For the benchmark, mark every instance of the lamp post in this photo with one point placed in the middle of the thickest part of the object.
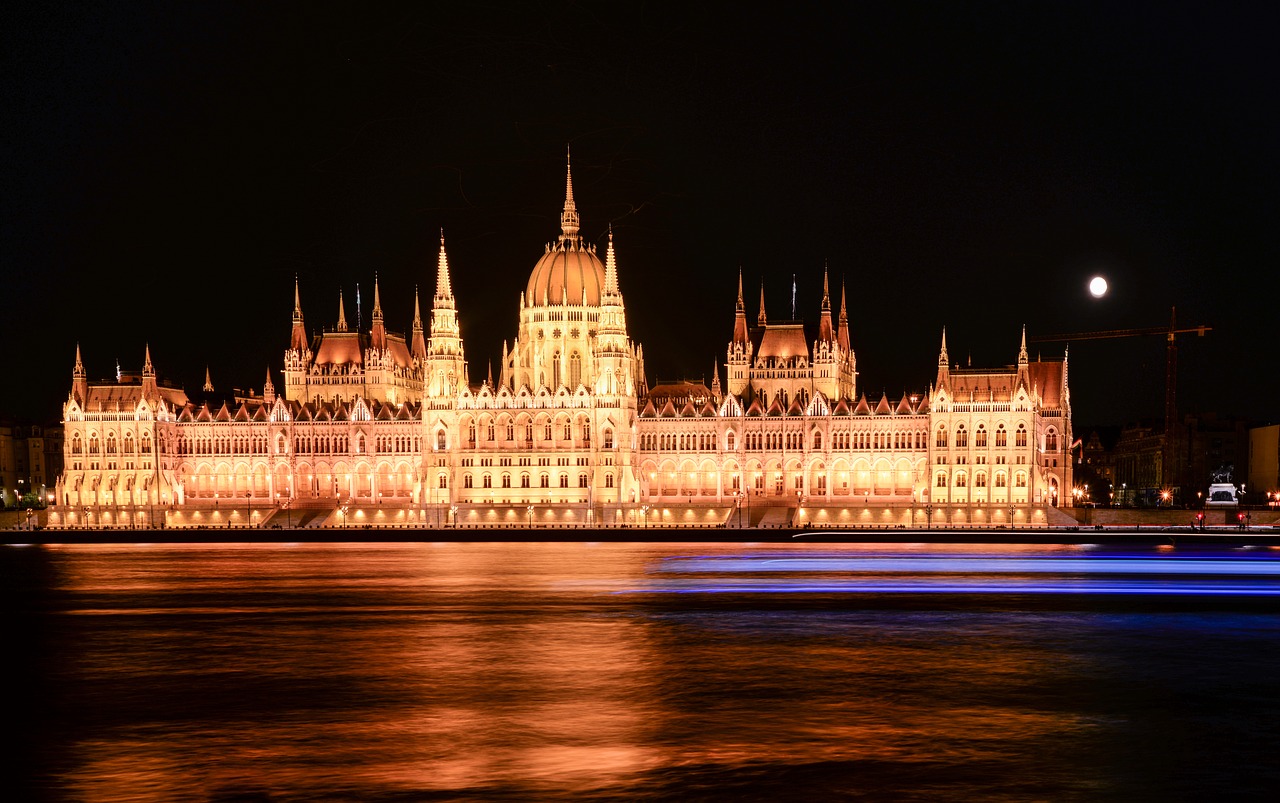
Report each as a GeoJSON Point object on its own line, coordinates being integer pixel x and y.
{"type": "Point", "coordinates": [530, 510]}
{"type": "Point", "coordinates": [799, 509]}
{"type": "Point", "coordinates": [928, 516]}
{"type": "Point", "coordinates": [644, 513]}
{"type": "Point", "coordinates": [739, 495]}
{"type": "Point", "coordinates": [248, 508]}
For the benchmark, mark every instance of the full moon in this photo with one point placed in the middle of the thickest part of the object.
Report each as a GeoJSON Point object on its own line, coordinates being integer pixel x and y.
{"type": "Point", "coordinates": [1097, 287]}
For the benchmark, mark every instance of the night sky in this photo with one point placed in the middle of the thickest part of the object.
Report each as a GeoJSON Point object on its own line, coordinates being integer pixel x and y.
{"type": "Point", "coordinates": [169, 168]}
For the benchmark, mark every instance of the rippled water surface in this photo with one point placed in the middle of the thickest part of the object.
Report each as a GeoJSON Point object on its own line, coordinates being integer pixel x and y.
{"type": "Point", "coordinates": [571, 671]}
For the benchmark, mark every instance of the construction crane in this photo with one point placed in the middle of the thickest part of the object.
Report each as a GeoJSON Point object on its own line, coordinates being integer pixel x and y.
{"type": "Point", "coordinates": [1170, 333]}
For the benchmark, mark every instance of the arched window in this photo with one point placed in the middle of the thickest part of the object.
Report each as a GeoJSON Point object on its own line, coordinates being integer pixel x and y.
{"type": "Point", "coordinates": [544, 481]}
{"type": "Point", "coordinates": [281, 445]}
{"type": "Point", "coordinates": [942, 436]}
{"type": "Point", "coordinates": [359, 444]}
{"type": "Point", "coordinates": [568, 431]}
{"type": "Point", "coordinates": [961, 480]}
{"type": "Point", "coordinates": [442, 481]}
{"type": "Point", "coordinates": [491, 432]}
{"type": "Point", "coordinates": [1002, 437]}
{"type": "Point", "coordinates": [608, 438]}
{"type": "Point", "coordinates": [564, 480]}
{"type": "Point", "coordinates": [555, 370]}
{"type": "Point", "coordinates": [1020, 438]}
{"type": "Point", "coordinates": [582, 480]}
{"type": "Point", "coordinates": [980, 480]}
{"type": "Point", "coordinates": [942, 480]}
{"type": "Point", "coordinates": [111, 443]}
{"type": "Point", "coordinates": [76, 446]}
{"type": "Point", "coordinates": [608, 480]}
{"type": "Point", "coordinates": [980, 437]}
{"type": "Point", "coordinates": [962, 437]}
{"type": "Point", "coordinates": [511, 431]}
{"type": "Point", "coordinates": [575, 371]}
{"type": "Point", "coordinates": [1021, 480]}
{"type": "Point", "coordinates": [471, 433]}
{"type": "Point", "coordinates": [486, 481]}
{"type": "Point", "coordinates": [729, 441]}
{"type": "Point", "coordinates": [546, 431]}
{"type": "Point", "coordinates": [466, 480]}
{"type": "Point", "coordinates": [1000, 481]}
{"type": "Point", "coordinates": [440, 440]}
{"type": "Point", "coordinates": [524, 480]}
{"type": "Point", "coordinates": [1051, 441]}
{"type": "Point", "coordinates": [128, 443]}
{"type": "Point", "coordinates": [506, 480]}
{"type": "Point", "coordinates": [817, 440]}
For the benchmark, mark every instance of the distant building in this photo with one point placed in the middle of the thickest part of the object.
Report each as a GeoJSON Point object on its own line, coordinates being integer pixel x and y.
{"type": "Point", "coordinates": [392, 428]}
{"type": "Point", "coordinates": [30, 462]}
{"type": "Point", "coordinates": [1264, 463]}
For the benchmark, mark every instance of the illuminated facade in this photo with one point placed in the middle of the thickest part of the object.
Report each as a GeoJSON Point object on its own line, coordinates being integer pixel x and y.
{"type": "Point", "coordinates": [391, 431]}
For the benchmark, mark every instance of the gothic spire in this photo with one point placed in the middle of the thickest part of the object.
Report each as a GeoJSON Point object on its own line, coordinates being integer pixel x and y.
{"type": "Point", "coordinates": [569, 218]}
{"type": "Point", "coordinates": [1022, 350]}
{"type": "Point", "coordinates": [610, 268]}
{"type": "Point", "coordinates": [444, 290]}
{"type": "Point", "coordinates": [378, 334]}
{"type": "Point", "coordinates": [762, 319]}
{"type": "Point", "coordinates": [146, 363]}
{"type": "Point", "coordinates": [342, 314]}
{"type": "Point", "coordinates": [79, 382]}
{"type": "Point", "coordinates": [268, 389]}
{"type": "Point", "coordinates": [418, 346]}
{"type": "Point", "coordinates": [740, 315]}
{"type": "Point", "coordinates": [842, 328]}
{"type": "Point", "coordinates": [298, 338]}
{"type": "Point", "coordinates": [208, 383]}
{"type": "Point", "coordinates": [826, 333]}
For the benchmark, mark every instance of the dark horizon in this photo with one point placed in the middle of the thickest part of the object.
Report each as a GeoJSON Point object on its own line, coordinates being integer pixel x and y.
{"type": "Point", "coordinates": [174, 168]}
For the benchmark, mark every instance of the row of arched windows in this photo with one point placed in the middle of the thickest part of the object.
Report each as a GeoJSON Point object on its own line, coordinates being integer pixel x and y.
{"type": "Point", "coordinates": [980, 479]}
{"type": "Point", "coordinates": [95, 445]}
{"type": "Point", "coordinates": [525, 479]}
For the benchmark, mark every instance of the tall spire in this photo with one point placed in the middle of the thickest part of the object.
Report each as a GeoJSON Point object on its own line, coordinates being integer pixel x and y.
{"type": "Point", "coordinates": [715, 379]}
{"type": "Point", "coordinates": [610, 268]}
{"type": "Point", "coordinates": [569, 218]}
{"type": "Point", "coordinates": [79, 381]}
{"type": "Point", "coordinates": [942, 355]}
{"type": "Point", "coordinates": [342, 314]}
{"type": "Point", "coordinates": [944, 364]}
{"type": "Point", "coordinates": [740, 315]}
{"type": "Point", "coordinates": [1022, 350]}
{"type": "Point", "coordinates": [378, 334]}
{"type": "Point", "coordinates": [298, 338]}
{"type": "Point", "coordinates": [146, 363]}
{"type": "Point", "coordinates": [842, 329]}
{"type": "Point", "coordinates": [418, 347]}
{"type": "Point", "coordinates": [208, 383]}
{"type": "Point", "coordinates": [826, 333]}
{"type": "Point", "coordinates": [762, 319]}
{"type": "Point", "coordinates": [268, 389]}
{"type": "Point", "coordinates": [444, 290]}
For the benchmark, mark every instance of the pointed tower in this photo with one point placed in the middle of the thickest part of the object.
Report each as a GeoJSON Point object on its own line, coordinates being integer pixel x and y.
{"type": "Point", "coordinates": [738, 360]}
{"type": "Point", "coordinates": [762, 319]}
{"type": "Point", "coordinates": [446, 366]}
{"type": "Point", "coordinates": [944, 365]}
{"type": "Point", "coordinates": [715, 380]}
{"type": "Point", "coordinates": [208, 382]}
{"type": "Point", "coordinates": [148, 376]}
{"type": "Point", "coordinates": [418, 348]}
{"type": "Point", "coordinates": [1024, 367]}
{"type": "Point", "coordinates": [848, 362]}
{"type": "Point", "coordinates": [297, 358]}
{"type": "Point", "coordinates": [826, 353]}
{"type": "Point", "coordinates": [610, 356]}
{"type": "Point", "coordinates": [268, 389]}
{"type": "Point", "coordinates": [378, 332]}
{"type": "Point", "coordinates": [342, 314]}
{"type": "Point", "coordinates": [79, 381]}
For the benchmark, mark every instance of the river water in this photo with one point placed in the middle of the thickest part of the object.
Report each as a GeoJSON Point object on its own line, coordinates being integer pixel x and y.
{"type": "Point", "coordinates": [625, 671]}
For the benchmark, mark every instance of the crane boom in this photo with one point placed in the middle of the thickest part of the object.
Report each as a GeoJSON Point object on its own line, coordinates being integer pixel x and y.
{"type": "Point", "coordinates": [1170, 333]}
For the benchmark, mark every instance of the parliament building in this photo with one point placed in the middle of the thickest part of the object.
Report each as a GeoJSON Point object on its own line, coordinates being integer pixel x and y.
{"type": "Point", "coordinates": [370, 428]}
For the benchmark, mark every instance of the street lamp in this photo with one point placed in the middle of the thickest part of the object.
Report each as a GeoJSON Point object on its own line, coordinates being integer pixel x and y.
{"type": "Point", "coordinates": [530, 509]}
{"type": "Point", "coordinates": [644, 512]}
{"type": "Point", "coordinates": [799, 509]}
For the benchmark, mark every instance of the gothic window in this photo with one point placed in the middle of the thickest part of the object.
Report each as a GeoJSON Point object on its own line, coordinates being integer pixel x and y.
{"type": "Point", "coordinates": [511, 431]}
{"type": "Point", "coordinates": [962, 437]}
{"type": "Point", "coordinates": [442, 481]}
{"type": "Point", "coordinates": [942, 480]}
{"type": "Point", "coordinates": [1020, 480]}
{"type": "Point", "coordinates": [1000, 481]}
{"type": "Point", "coordinates": [980, 480]}
{"type": "Point", "coordinates": [471, 433]}
{"type": "Point", "coordinates": [466, 481]}
{"type": "Point", "coordinates": [546, 431]}
{"type": "Point", "coordinates": [942, 436]}
{"type": "Point", "coordinates": [440, 440]}
{"type": "Point", "coordinates": [76, 446]}
{"type": "Point", "coordinates": [506, 480]}
{"type": "Point", "coordinates": [486, 481]}
{"type": "Point", "coordinates": [729, 441]}
{"type": "Point", "coordinates": [524, 480]}
{"type": "Point", "coordinates": [1021, 436]}
{"type": "Point", "coordinates": [575, 370]}
{"type": "Point", "coordinates": [564, 480]}
{"type": "Point", "coordinates": [568, 431]}
{"type": "Point", "coordinates": [128, 444]}
{"type": "Point", "coordinates": [1051, 441]}
{"type": "Point", "coordinates": [111, 443]}
{"type": "Point", "coordinates": [491, 431]}
{"type": "Point", "coordinates": [582, 480]}
{"type": "Point", "coordinates": [608, 480]}
{"type": "Point", "coordinates": [1002, 437]}
{"type": "Point", "coordinates": [961, 480]}
{"type": "Point", "coordinates": [980, 437]}
{"type": "Point", "coordinates": [544, 481]}
{"type": "Point", "coordinates": [528, 433]}
{"type": "Point", "coordinates": [608, 438]}
{"type": "Point", "coordinates": [555, 370]}
{"type": "Point", "coordinates": [281, 447]}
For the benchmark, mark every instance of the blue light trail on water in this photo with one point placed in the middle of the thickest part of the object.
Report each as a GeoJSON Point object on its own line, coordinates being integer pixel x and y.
{"type": "Point", "coordinates": [970, 574]}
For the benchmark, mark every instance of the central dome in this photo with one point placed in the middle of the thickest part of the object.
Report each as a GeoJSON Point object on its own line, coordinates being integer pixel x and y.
{"type": "Point", "coordinates": [569, 273]}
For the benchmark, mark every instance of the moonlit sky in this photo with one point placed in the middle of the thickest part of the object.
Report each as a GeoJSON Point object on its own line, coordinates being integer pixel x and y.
{"type": "Point", "coordinates": [170, 168]}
